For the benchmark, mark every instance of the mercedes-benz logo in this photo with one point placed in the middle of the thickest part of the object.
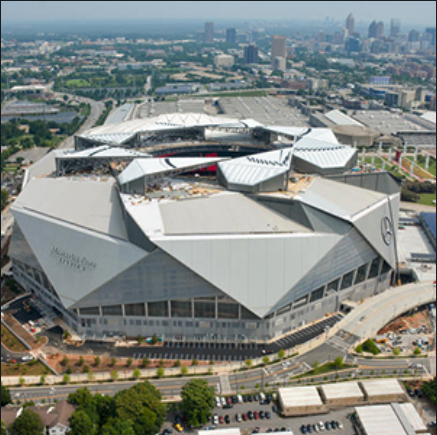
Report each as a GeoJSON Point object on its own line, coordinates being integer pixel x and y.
{"type": "Point", "coordinates": [387, 231]}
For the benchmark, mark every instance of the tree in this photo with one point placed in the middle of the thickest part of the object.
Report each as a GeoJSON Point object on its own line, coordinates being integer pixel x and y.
{"type": "Point", "coordinates": [178, 363]}
{"type": "Point", "coordinates": [316, 366]}
{"type": "Point", "coordinates": [266, 360]}
{"type": "Point", "coordinates": [118, 427]}
{"type": "Point", "coordinates": [81, 424]}
{"type": "Point", "coordinates": [155, 339]}
{"type": "Point", "coordinates": [129, 362]}
{"type": "Point", "coordinates": [197, 402]}
{"type": "Point", "coordinates": [142, 405]}
{"type": "Point", "coordinates": [249, 363]}
{"type": "Point", "coordinates": [22, 382]}
{"type": "Point", "coordinates": [396, 351]}
{"type": "Point", "coordinates": [4, 195]}
{"type": "Point", "coordinates": [417, 351]}
{"type": "Point", "coordinates": [160, 373]}
{"type": "Point", "coordinates": [195, 363]}
{"type": "Point", "coordinates": [281, 354]}
{"type": "Point", "coordinates": [65, 361]}
{"type": "Point", "coordinates": [66, 379]}
{"type": "Point", "coordinates": [429, 390]}
{"type": "Point", "coordinates": [184, 371]}
{"type": "Point", "coordinates": [86, 369]}
{"type": "Point", "coordinates": [137, 373]}
{"type": "Point", "coordinates": [140, 339]}
{"type": "Point", "coordinates": [5, 396]}
{"type": "Point", "coordinates": [146, 362]}
{"type": "Point", "coordinates": [81, 361]}
{"type": "Point", "coordinates": [339, 363]}
{"type": "Point", "coordinates": [97, 361]}
{"type": "Point", "coordinates": [3, 430]}
{"type": "Point", "coordinates": [113, 362]}
{"type": "Point", "coordinates": [42, 379]}
{"type": "Point", "coordinates": [114, 375]}
{"type": "Point", "coordinates": [28, 423]}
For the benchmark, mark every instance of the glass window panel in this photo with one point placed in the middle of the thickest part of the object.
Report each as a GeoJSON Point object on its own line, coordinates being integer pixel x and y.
{"type": "Point", "coordinates": [135, 310]}
{"type": "Point", "coordinates": [229, 311]}
{"type": "Point", "coordinates": [334, 285]}
{"type": "Point", "coordinates": [181, 309]}
{"type": "Point", "coordinates": [362, 274]}
{"type": "Point", "coordinates": [248, 315]}
{"type": "Point", "coordinates": [374, 269]}
{"type": "Point", "coordinates": [386, 268]}
{"type": "Point", "coordinates": [89, 311]}
{"type": "Point", "coordinates": [114, 310]}
{"type": "Point", "coordinates": [158, 309]}
{"type": "Point", "coordinates": [318, 294]}
{"type": "Point", "coordinates": [204, 310]}
{"type": "Point", "coordinates": [348, 280]}
{"type": "Point", "coordinates": [284, 310]}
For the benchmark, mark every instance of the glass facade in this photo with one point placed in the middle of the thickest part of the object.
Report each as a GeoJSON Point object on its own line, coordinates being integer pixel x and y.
{"type": "Point", "coordinates": [374, 268]}
{"type": "Point", "coordinates": [115, 310]}
{"type": "Point", "coordinates": [89, 311]}
{"type": "Point", "coordinates": [135, 310]}
{"type": "Point", "coordinates": [318, 294]}
{"type": "Point", "coordinates": [183, 309]}
{"type": "Point", "coordinates": [158, 309]}
{"type": "Point", "coordinates": [228, 311]}
{"type": "Point", "coordinates": [362, 274]}
{"type": "Point", "coordinates": [205, 310]}
{"type": "Point", "coordinates": [348, 280]}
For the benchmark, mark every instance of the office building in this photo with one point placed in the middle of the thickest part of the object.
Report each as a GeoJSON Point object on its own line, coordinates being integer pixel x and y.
{"type": "Point", "coordinates": [279, 48]}
{"type": "Point", "coordinates": [373, 30]}
{"type": "Point", "coordinates": [432, 31]}
{"type": "Point", "coordinates": [251, 54]}
{"type": "Point", "coordinates": [231, 36]}
{"type": "Point", "coordinates": [414, 36]}
{"type": "Point", "coordinates": [350, 24]}
{"type": "Point", "coordinates": [395, 28]}
{"type": "Point", "coordinates": [209, 32]}
{"type": "Point", "coordinates": [224, 61]}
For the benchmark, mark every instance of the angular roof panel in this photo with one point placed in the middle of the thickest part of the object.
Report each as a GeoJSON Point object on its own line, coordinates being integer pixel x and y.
{"type": "Point", "coordinates": [153, 168]}
{"type": "Point", "coordinates": [324, 155]}
{"type": "Point", "coordinates": [104, 151]}
{"type": "Point", "coordinates": [254, 170]}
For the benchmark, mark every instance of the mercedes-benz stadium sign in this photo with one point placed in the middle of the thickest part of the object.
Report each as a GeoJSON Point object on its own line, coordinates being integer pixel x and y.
{"type": "Point", "coordinates": [71, 260]}
{"type": "Point", "coordinates": [387, 231]}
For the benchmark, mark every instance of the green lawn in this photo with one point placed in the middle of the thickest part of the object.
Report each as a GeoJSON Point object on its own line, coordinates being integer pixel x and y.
{"type": "Point", "coordinates": [427, 199]}
{"type": "Point", "coordinates": [432, 167]}
{"type": "Point", "coordinates": [77, 83]}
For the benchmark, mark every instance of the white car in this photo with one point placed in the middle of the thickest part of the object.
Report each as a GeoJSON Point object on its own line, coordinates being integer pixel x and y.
{"type": "Point", "coordinates": [341, 426]}
{"type": "Point", "coordinates": [27, 358]}
{"type": "Point", "coordinates": [216, 420]}
{"type": "Point", "coordinates": [218, 402]}
{"type": "Point", "coordinates": [322, 426]}
{"type": "Point", "coordinates": [240, 399]}
{"type": "Point", "coordinates": [223, 400]}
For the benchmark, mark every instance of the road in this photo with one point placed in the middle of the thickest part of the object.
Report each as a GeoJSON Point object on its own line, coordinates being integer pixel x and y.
{"type": "Point", "coordinates": [97, 108]}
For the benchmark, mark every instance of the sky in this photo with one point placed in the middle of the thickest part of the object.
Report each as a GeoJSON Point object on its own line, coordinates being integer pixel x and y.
{"type": "Point", "coordinates": [412, 12]}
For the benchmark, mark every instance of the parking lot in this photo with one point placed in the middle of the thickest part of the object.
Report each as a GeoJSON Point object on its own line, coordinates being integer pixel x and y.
{"type": "Point", "coordinates": [277, 423]}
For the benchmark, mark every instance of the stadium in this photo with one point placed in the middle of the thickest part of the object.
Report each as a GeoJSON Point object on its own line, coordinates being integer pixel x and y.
{"type": "Point", "coordinates": [193, 227]}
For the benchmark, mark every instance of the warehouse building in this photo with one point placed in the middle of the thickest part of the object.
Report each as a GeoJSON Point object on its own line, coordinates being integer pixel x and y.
{"type": "Point", "coordinates": [383, 391]}
{"type": "Point", "coordinates": [301, 401]}
{"type": "Point", "coordinates": [342, 395]}
{"type": "Point", "coordinates": [390, 420]}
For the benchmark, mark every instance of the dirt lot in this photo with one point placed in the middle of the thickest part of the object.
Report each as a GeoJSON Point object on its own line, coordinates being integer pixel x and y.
{"type": "Point", "coordinates": [408, 322]}
{"type": "Point", "coordinates": [34, 369]}
{"type": "Point", "coordinates": [21, 332]}
{"type": "Point", "coordinates": [10, 342]}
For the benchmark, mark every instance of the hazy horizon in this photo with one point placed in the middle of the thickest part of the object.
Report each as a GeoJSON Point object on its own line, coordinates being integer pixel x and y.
{"type": "Point", "coordinates": [35, 12]}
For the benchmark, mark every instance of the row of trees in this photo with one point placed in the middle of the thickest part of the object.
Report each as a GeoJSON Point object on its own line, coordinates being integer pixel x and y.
{"type": "Point", "coordinates": [411, 191]}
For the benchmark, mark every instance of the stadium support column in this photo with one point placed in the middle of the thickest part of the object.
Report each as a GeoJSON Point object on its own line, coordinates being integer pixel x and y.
{"type": "Point", "coordinates": [390, 154]}
{"type": "Point", "coordinates": [428, 161]}
{"type": "Point", "coordinates": [416, 155]}
{"type": "Point", "coordinates": [413, 167]}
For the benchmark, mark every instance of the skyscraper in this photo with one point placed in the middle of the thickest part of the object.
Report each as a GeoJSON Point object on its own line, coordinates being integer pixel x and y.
{"type": "Point", "coordinates": [251, 54]}
{"type": "Point", "coordinates": [231, 36]}
{"type": "Point", "coordinates": [373, 30]}
{"type": "Point", "coordinates": [350, 24]}
{"type": "Point", "coordinates": [414, 36]}
{"type": "Point", "coordinates": [381, 30]}
{"type": "Point", "coordinates": [209, 32]}
{"type": "Point", "coordinates": [432, 31]}
{"type": "Point", "coordinates": [279, 48]}
{"type": "Point", "coordinates": [395, 28]}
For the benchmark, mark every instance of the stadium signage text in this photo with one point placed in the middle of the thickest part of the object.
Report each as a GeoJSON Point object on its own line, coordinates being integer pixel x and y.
{"type": "Point", "coordinates": [73, 261]}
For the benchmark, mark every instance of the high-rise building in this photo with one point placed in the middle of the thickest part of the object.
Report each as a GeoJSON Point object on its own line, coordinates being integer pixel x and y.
{"type": "Point", "coordinates": [373, 30]}
{"type": "Point", "coordinates": [251, 54]}
{"type": "Point", "coordinates": [395, 28]}
{"type": "Point", "coordinates": [279, 48]}
{"type": "Point", "coordinates": [209, 32]}
{"type": "Point", "coordinates": [381, 29]}
{"type": "Point", "coordinates": [350, 24]}
{"type": "Point", "coordinates": [432, 31]}
{"type": "Point", "coordinates": [353, 45]}
{"type": "Point", "coordinates": [231, 36]}
{"type": "Point", "coordinates": [414, 36]}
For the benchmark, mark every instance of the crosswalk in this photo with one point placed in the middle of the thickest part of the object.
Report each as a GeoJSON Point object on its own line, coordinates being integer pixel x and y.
{"type": "Point", "coordinates": [337, 343]}
{"type": "Point", "coordinates": [225, 385]}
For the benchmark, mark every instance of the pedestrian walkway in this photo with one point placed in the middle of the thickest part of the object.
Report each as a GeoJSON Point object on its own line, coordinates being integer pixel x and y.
{"type": "Point", "coordinates": [225, 385]}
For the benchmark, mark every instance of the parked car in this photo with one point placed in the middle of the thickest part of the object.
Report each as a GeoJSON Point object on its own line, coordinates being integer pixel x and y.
{"type": "Point", "coordinates": [228, 419]}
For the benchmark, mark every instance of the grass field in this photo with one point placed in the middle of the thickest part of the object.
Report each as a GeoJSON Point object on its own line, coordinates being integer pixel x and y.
{"type": "Point", "coordinates": [32, 369]}
{"type": "Point", "coordinates": [11, 342]}
{"type": "Point", "coordinates": [427, 199]}
{"type": "Point", "coordinates": [432, 167]}
{"type": "Point", "coordinates": [77, 83]}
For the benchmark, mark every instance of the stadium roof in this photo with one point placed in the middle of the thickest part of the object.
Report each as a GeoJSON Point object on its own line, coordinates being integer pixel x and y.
{"type": "Point", "coordinates": [254, 170]}
{"type": "Point", "coordinates": [339, 118]}
{"type": "Point", "coordinates": [430, 220]}
{"type": "Point", "coordinates": [324, 154]}
{"type": "Point", "coordinates": [104, 151]}
{"type": "Point", "coordinates": [324, 134]}
{"type": "Point", "coordinates": [153, 168]}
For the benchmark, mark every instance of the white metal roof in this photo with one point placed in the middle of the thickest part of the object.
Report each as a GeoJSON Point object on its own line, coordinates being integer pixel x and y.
{"type": "Point", "coordinates": [384, 387]}
{"type": "Point", "coordinates": [221, 432]}
{"type": "Point", "coordinates": [109, 138]}
{"type": "Point", "coordinates": [347, 390]}
{"type": "Point", "coordinates": [430, 116]}
{"type": "Point", "coordinates": [145, 168]}
{"type": "Point", "coordinates": [338, 199]}
{"type": "Point", "coordinates": [324, 154]}
{"type": "Point", "coordinates": [413, 417]}
{"type": "Point", "coordinates": [380, 420]}
{"type": "Point", "coordinates": [324, 134]}
{"type": "Point", "coordinates": [300, 397]}
{"type": "Point", "coordinates": [92, 205]}
{"type": "Point", "coordinates": [340, 118]}
{"type": "Point", "coordinates": [163, 122]}
{"type": "Point", "coordinates": [104, 151]}
{"type": "Point", "coordinates": [224, 214]}
{"type": "Point", "coordinates": [253, 170]}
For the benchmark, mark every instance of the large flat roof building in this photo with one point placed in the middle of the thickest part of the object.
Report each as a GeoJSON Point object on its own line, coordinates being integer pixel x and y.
{"type": "Point", "coordinates": [120, 243]}
{"type": "Point", "coordinates": [301, 401]}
